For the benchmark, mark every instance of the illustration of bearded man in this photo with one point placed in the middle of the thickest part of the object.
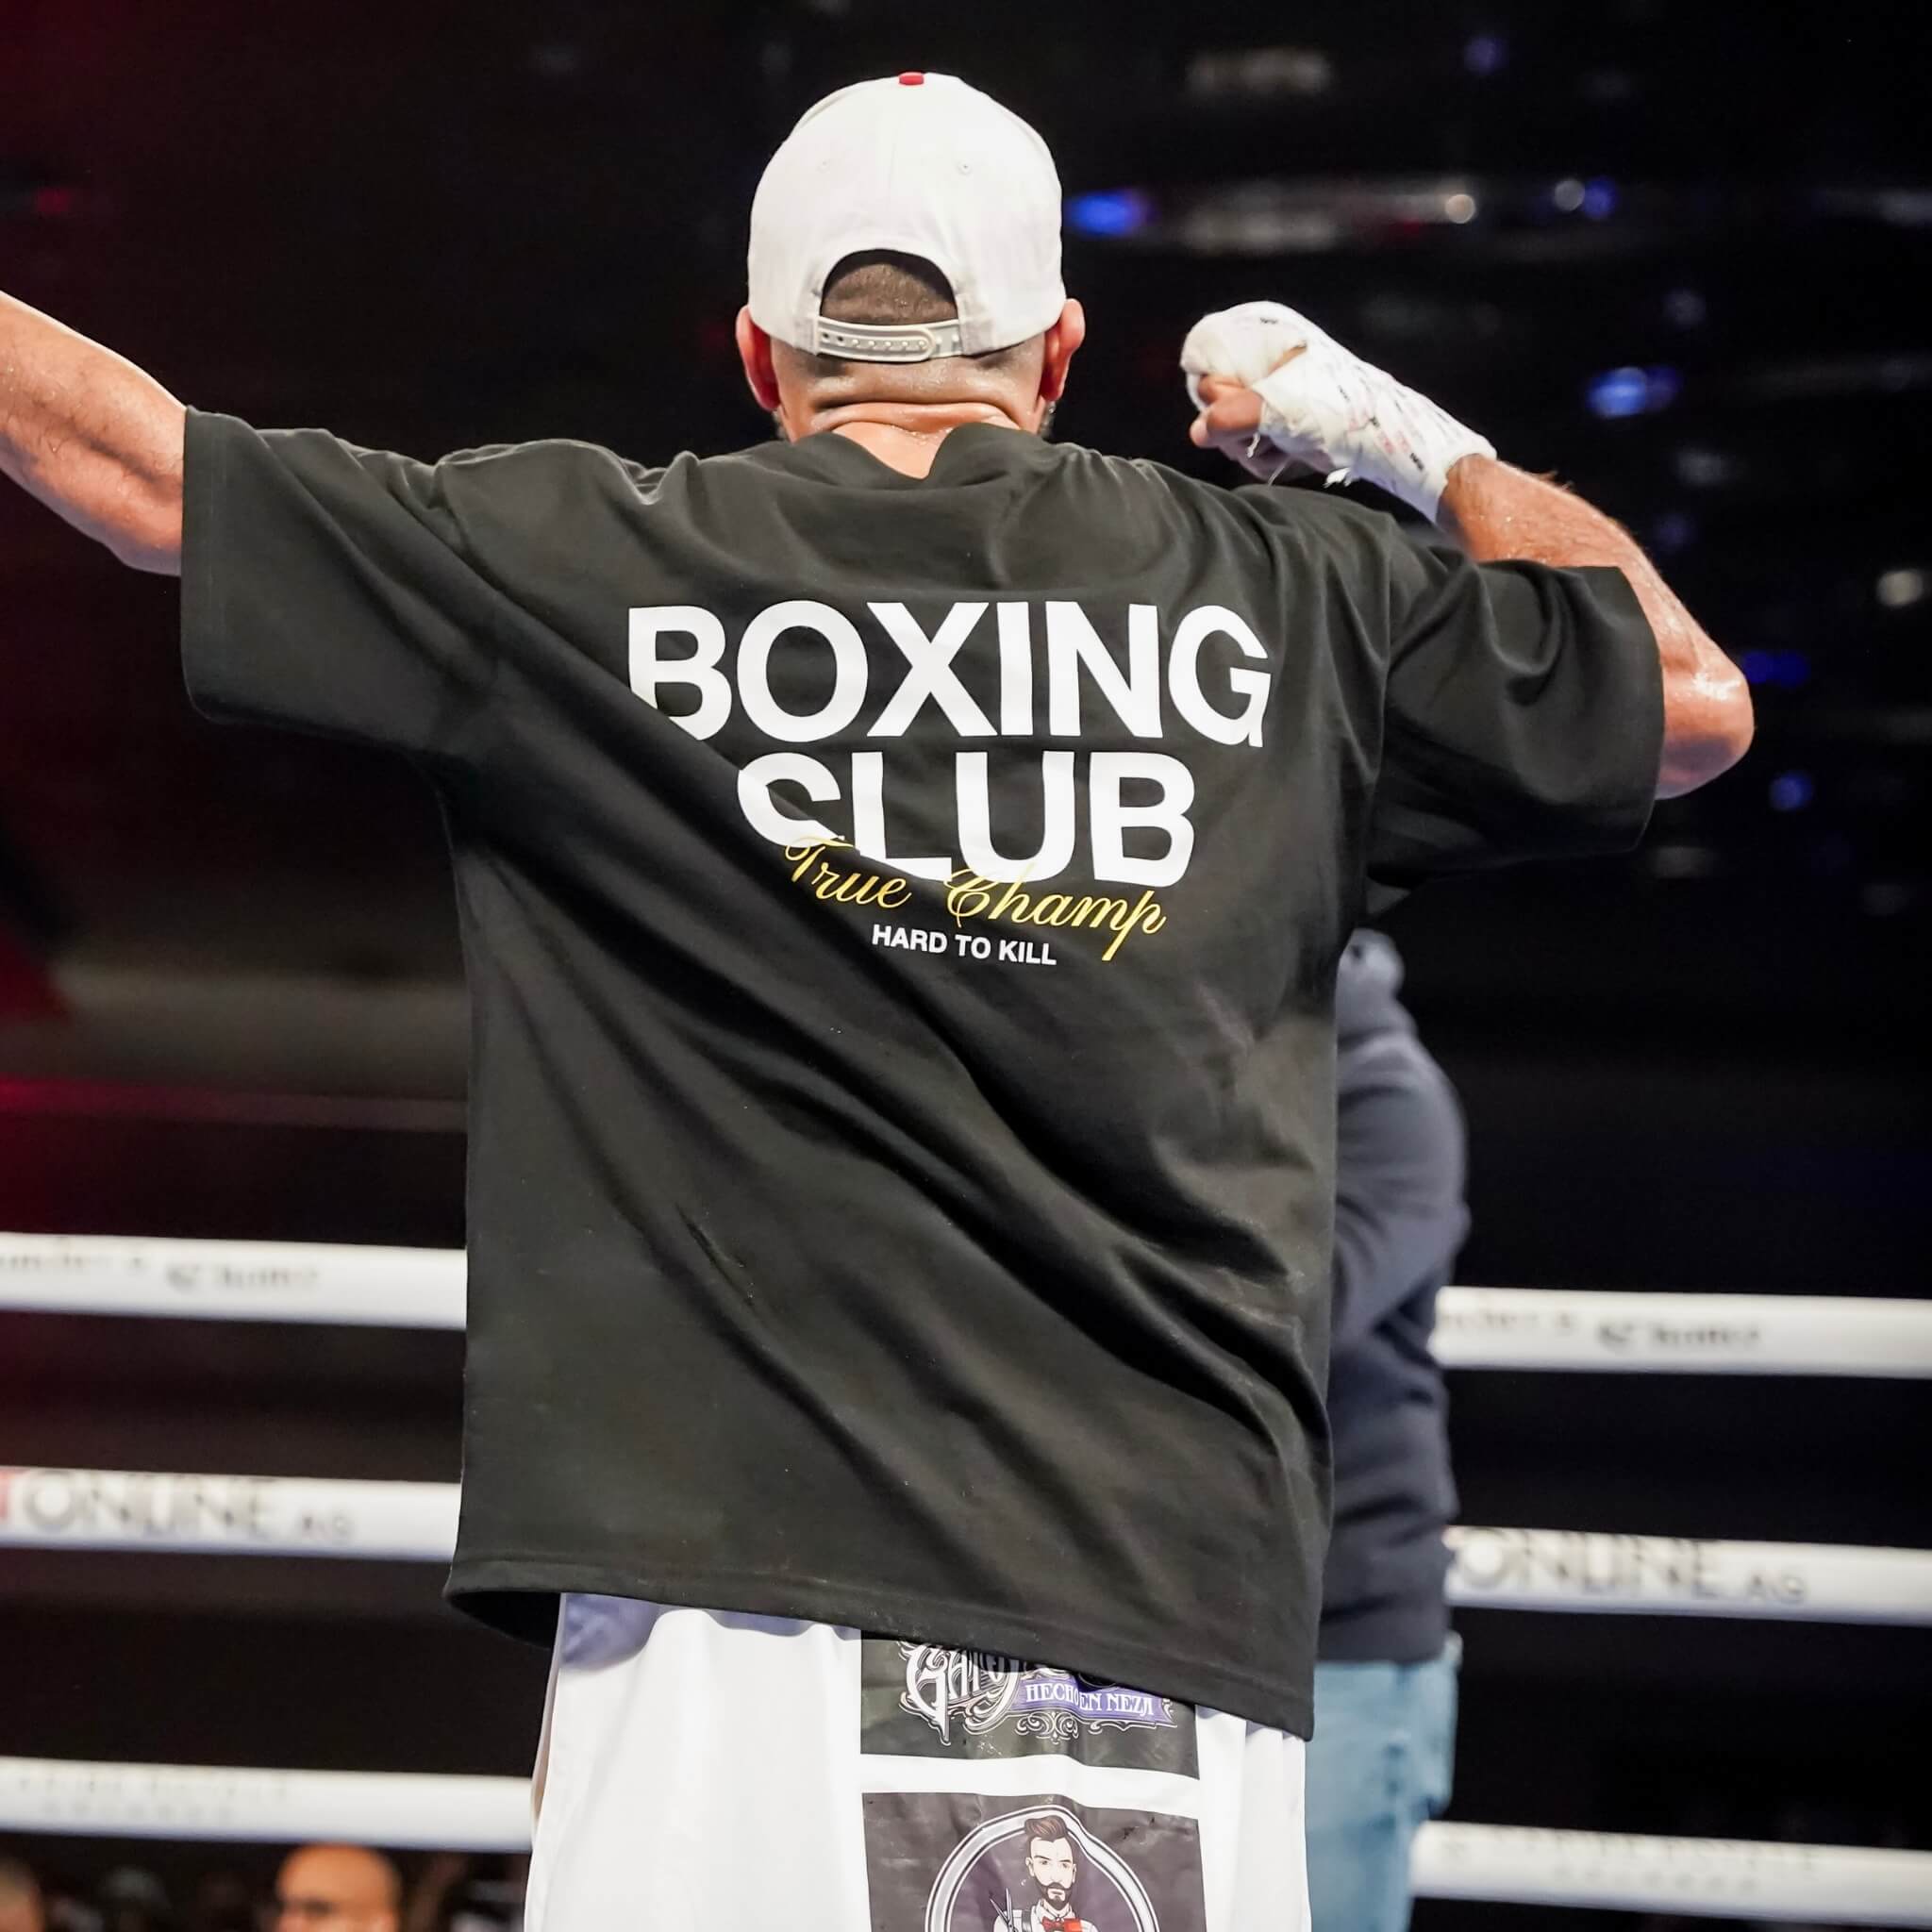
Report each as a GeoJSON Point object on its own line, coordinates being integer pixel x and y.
{"type": "Point", "coordinates": [1053, 1868]}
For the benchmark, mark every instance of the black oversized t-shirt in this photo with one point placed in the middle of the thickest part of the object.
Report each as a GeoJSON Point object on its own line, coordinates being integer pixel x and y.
{"type": "Point", "coordinates": [901, 919]}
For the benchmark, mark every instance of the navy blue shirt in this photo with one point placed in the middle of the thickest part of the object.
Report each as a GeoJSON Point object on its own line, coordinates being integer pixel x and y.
{"type": "Point", "coordinates": [1399, 1219]}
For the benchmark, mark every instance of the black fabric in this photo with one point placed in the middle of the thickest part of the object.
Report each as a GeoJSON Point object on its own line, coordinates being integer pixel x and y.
{"type": "Point", "coordinates": [1399, 1219]}
{"type": "Point", "coordinates": [819, 1267]}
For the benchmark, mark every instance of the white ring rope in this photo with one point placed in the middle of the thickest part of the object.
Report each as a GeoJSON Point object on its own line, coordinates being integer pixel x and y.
{"type": "Point", "coordinates": [1710, 1877]}
{"type": "Point", "coordinates": [161, 1511]}
{"type": "Point", "coordinates": [1699, 1877]}
{"type": "Point", "coordinates": [1595, 1569]}
{"type": "Point", "coordinates": [1521, 1569]}
{"type": "Point", "coordinates": [236, 1515]}
{"type": "Point", "coordinates": [401, 1811]}
{"type": "Point", "coordinates": [233, 1281]}
{"type": "Point", "coordinates": [1700, 1333]}
{"type": "Point", "coordinates": [1476, 1327]}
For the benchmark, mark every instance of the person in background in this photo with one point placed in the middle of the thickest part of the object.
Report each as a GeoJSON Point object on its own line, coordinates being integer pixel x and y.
{"type": "Point", "coordinates": [338, 1889]}
{"type": "Point", "coordinates": [21, 1909]}
{"type": "Point", "coordinates": [1385, 1679]}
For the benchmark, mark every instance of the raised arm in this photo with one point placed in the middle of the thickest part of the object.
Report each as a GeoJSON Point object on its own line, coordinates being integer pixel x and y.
{"type": "Point", "coordinates": [1276, 392]}
{"type": "Point", "coordinates": [93, 437]}
{"type": "Point", "coordinates": [1496, 511]}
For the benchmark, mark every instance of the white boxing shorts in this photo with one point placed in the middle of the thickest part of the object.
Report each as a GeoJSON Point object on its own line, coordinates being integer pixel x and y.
{"type": "Point", "coordinates": [700, 1767]}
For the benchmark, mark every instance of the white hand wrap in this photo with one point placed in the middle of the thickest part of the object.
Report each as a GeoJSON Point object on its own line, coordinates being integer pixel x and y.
{"type": "Point", "coordinates": [1327, 409]}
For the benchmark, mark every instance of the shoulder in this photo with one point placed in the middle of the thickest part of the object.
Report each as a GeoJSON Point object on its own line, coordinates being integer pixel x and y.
{"type": "Point", "coordinates": [551, 460]}
{"type": "Point", "coordinates": [1309, 523]}
{"type": "Point", "coordinates": [1324, 524]}
{"type": "Point", "coordinates": [552, 490]}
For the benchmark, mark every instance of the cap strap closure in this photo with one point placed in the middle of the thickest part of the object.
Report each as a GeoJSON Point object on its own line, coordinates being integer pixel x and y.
{"type": "Point", "coordinates": [904, 343]}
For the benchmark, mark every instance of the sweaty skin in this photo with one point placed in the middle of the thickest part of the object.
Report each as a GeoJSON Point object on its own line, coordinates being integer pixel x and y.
{"type": "Point", "coordinates": [1496, 511]}
{"type": "Point", "coordinates": [100, 443]}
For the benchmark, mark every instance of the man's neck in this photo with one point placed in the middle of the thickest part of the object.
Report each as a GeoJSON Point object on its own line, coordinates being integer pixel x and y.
{"type": "Point", "coordinates": [906, 436]}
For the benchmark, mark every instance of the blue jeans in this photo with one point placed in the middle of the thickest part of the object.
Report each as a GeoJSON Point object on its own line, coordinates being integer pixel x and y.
{"type": "Point", "coordinates": [1378, 1766]}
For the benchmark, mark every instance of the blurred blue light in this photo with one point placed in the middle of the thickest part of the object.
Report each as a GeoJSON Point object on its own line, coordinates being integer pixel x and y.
{"type": "Point", "coordinates": [1109, 211]}
{"type": "Point", "coordinates": [1618, 393]}
{"type": "Point", "coordinates": [1792, 792]}
{"type": "Point", "coordinates": [1787, 670]}
{"type": "Point", "coordinates": [1599, 197]}
{"type": "Point", "coordinates": [1631, 392]}
{"type": "Point", "coordinates": [1486, 54]}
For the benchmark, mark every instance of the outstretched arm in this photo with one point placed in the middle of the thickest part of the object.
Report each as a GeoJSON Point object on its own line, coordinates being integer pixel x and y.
{"type": "Point", "coordinates": [93, 437]}
{"type": "Point", "coordinates": [1276, 392]}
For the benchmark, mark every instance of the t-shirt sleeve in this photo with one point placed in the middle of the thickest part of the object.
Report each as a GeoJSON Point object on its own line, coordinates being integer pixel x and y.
{"type": "Point", "coordinates": [1522, 716]}
{"type": "Point", "coordinates": [327, 588]}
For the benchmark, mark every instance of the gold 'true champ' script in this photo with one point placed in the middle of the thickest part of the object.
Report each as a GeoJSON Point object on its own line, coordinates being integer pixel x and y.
{"type": "Point", "coordinates": [969, 896]}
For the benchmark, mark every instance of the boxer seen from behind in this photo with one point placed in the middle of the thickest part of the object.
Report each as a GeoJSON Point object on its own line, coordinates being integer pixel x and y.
{"type": "Point", "coordinates": [970, 1291]}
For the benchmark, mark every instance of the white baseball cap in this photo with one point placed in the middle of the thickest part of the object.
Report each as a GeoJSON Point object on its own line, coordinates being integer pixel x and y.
{"type": "Point", "coordinates": [921, 165]}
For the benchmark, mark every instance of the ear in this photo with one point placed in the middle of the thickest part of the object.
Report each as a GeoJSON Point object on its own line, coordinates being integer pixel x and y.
{"type": "Point", "coordinates": [1063, 341]}
{"type": "Point", "coordinates": [755, 351]}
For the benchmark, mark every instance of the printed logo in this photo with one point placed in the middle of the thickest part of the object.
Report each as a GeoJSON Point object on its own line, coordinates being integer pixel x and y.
{"type": "Point", "coordinates": [959, 1862]}
{"type": "Point", "coordinates": [109, 1508]}
{"type": "Point", "coordinates": [971, 1686]}
{"type": "Point", "coordinates": [879, 697]}
{"type": "Point", "coordinates": [1059, 1856]}
{"type": "Point", "coordinates": [1562, 1565]}
{"type": "Point", "coordinates": [950, 1702]}
{"type": "Point", "coordinates": [983, 1691]}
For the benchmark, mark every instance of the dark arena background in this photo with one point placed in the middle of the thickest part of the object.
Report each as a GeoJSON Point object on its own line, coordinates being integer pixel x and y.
{"type": "Point", "coordinates": [1664, 250]}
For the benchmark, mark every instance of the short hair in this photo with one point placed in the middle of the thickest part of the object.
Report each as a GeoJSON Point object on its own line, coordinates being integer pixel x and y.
{"type": "Point", "coordinates": [883, 289]}
{"type": "Point", "coordinates": [1049, 1829]}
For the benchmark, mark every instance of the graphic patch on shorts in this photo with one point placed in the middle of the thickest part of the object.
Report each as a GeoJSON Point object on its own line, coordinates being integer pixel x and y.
{"type": "Point", "coordinates": [941, 1861]}
{"type": "Point", "coordinates": [921, 1700]}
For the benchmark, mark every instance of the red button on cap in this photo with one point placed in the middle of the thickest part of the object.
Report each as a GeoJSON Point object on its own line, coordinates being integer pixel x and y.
{"type": "Point", "coordinates": [912, 80]}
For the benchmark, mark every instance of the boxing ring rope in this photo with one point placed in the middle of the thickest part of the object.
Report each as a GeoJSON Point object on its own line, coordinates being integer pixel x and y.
{"type": "Point", "coordinates": [170, 1512]}
{"type": "Point", "coordinates": [402, 1811]}
{"type": "Point", "coordinates": [1476, 1327]}
{"type": "Point", "coordinates": [1517, 1569]}
{"type": "Point", "coordinates": [233, 1281]}
{"type": "Point", "coordinates": [1508, 1864]}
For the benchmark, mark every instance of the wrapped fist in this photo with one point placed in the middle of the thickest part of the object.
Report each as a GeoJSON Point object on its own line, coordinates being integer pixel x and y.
{"type": "Point", "coordinates": [1275, 390]}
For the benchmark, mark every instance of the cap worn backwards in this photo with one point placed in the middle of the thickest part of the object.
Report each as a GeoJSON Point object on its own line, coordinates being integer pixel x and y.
{"type": "Point", "coordinates": [920, 165]}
